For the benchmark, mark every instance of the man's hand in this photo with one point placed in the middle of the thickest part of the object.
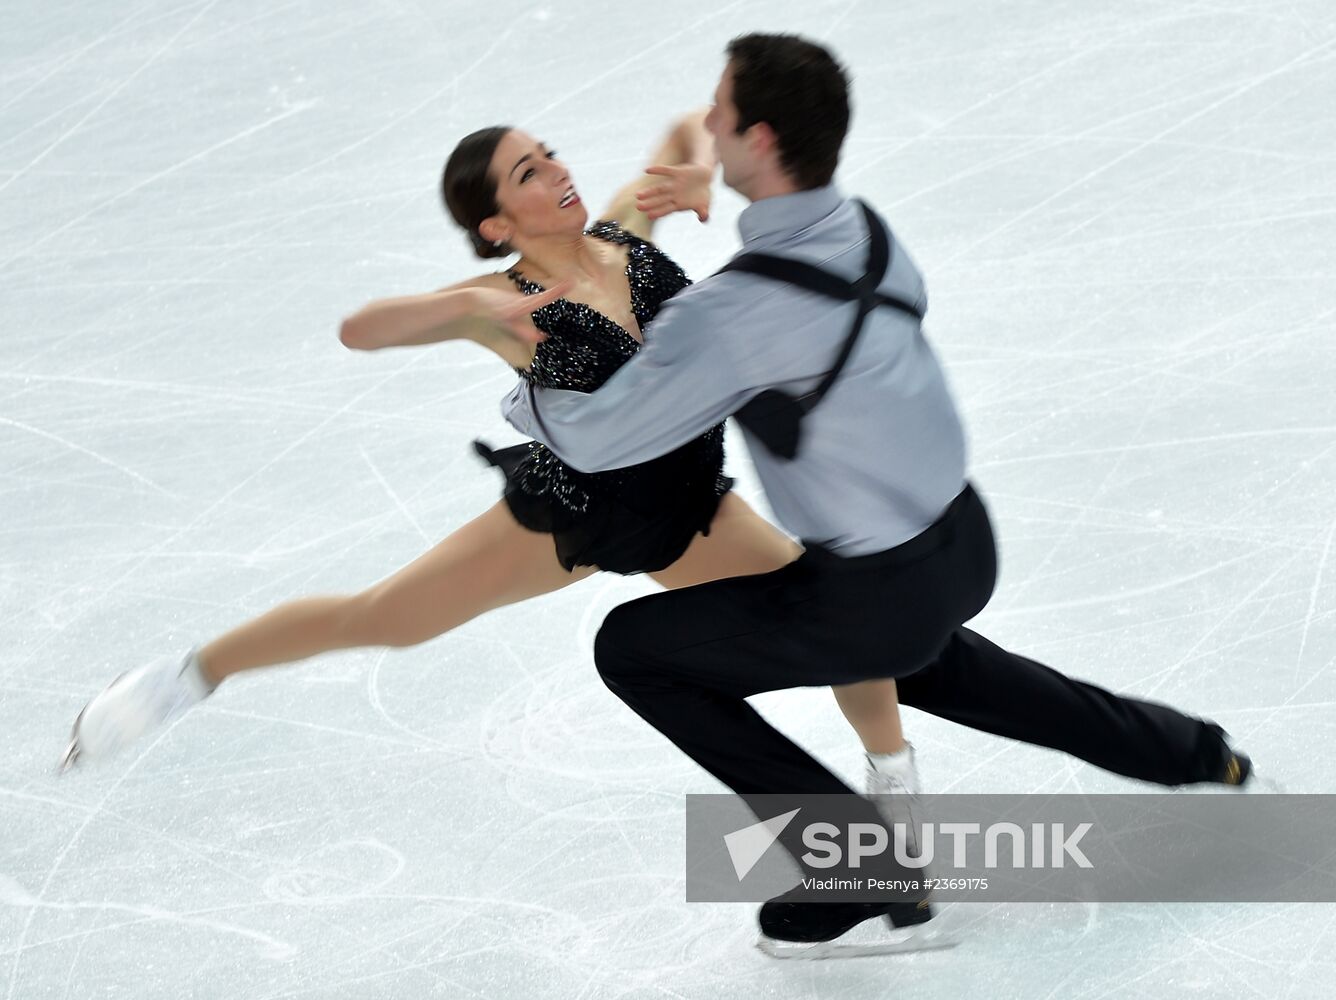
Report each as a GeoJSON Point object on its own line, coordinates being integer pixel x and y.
{"type": "Point", "coordinates": [685, 188]}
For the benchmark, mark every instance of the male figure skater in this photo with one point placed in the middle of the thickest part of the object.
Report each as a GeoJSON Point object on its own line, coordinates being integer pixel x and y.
{"type": "Point", "coordinates": [866, 463]}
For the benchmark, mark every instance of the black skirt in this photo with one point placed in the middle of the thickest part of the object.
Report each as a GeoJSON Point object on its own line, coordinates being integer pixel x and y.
{"type": "Point", "coordinates": [635, 520]}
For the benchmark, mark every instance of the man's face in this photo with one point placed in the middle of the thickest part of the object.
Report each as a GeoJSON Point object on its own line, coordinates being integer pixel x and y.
{"type": "Point", "coordinates": [729, 147]}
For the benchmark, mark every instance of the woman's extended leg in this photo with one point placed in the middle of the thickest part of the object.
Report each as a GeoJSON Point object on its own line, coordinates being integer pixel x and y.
{"type": "Point", "coordinates": [488, 563]}
{"type": "Point", "coordinates": [742, 543]}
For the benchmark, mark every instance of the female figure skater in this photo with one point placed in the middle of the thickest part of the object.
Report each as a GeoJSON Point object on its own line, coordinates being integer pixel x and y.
{"type": "Point", "coordinates": [568, 314]}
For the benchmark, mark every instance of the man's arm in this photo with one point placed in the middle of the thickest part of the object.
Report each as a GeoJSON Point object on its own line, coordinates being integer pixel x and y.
{"type": "Point", "coordinates": [681, 383]}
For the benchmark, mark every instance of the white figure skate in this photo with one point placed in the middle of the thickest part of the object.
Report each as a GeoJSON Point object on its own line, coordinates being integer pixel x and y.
{"type": "Point", "coordinates": [135, 703]}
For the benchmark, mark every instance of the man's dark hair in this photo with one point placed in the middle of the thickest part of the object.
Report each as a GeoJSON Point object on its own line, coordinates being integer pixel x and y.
{"type": "Point", "coordinates": [799, 90]}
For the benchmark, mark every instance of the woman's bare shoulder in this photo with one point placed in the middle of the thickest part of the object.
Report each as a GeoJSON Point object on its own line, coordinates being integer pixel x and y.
{"type": "Point", "coordinates": [494, 279]}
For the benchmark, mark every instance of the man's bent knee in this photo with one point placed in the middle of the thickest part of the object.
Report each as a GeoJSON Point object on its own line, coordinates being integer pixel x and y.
{"type": "Point", "coordinates": [622, 646]}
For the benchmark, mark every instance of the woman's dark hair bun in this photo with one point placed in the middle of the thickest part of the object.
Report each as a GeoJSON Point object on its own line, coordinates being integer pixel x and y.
{"type": "Point", "coordinates": [469, 190]}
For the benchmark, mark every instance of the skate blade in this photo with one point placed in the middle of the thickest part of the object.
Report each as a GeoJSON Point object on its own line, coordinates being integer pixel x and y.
{"type": "Point", "coordinates": [73, 751]}
{"type": "Point", "coordinates": [70, 758]}
{"type": "Point", "coordinates": [907, 944]}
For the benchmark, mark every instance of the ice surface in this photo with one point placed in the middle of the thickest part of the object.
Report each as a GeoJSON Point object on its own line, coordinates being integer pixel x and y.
{"type": "Point", "coordinates": [1127, 216]}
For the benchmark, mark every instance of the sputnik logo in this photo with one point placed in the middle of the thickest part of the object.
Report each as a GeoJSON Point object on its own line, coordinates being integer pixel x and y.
{"type": "Point", "coordinates": [746, 846]}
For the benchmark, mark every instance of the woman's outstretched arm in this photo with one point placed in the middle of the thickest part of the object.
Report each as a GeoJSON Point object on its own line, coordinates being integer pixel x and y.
{"type": "Point", "coordinates": [481, 310]}
{"type": "Point", "coordinates": [409, 320]}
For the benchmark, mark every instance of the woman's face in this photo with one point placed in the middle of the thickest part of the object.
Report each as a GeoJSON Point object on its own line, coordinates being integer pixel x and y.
{"type": "Point", "coordinates": [534, 190]}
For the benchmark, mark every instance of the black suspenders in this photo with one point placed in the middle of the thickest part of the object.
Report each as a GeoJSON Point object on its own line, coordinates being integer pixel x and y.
{"type": "Point", "coordinates": [775, 416]}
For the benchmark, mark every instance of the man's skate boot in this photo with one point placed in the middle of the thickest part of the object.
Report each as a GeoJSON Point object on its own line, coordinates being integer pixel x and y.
{"type": "Point", "coordinates": [1234, 767]}
{"type": "Point", "coordinates": [135, 703]}
{"type": "Point", "coordinates": [792, 928]}
{"type": "Point", "coordinates": [1238, 769]}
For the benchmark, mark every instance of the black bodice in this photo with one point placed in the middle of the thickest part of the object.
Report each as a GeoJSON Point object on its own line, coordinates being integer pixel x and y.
{"type": "Point", "coordinates": [584, 347]}
{"type": "Point", "coordinates": [582, 350]}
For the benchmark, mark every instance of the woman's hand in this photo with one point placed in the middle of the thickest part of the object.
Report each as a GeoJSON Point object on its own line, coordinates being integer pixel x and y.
{"type": "Point", "coordinates": [685, 188]}
{"type": "Point", "coordinates": [511, 313]}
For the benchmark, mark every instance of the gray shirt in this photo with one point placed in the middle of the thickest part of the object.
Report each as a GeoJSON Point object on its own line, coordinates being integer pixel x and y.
{"type": "Point", "coordinates": [881, 456]}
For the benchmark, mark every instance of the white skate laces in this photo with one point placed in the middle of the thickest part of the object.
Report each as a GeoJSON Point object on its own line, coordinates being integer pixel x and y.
{"type": "Point", "coordinates": [134, 704]}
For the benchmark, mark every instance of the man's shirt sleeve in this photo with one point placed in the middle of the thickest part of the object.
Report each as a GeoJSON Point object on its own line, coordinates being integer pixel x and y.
{"type": "Point", "coordinates": [681, 383]}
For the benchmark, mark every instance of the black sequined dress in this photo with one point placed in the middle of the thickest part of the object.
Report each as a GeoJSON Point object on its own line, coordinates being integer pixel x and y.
{"type": "Point", "coordinates": [633, 520]}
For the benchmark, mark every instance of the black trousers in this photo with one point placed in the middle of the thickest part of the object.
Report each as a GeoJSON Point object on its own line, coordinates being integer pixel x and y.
{"type": "Point", "coordinates": [684, 660]}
